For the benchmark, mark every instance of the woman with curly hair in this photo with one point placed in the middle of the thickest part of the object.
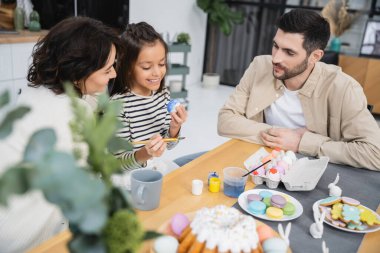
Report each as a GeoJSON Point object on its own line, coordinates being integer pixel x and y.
{"type": "Point", "coordinates": [81, 51]}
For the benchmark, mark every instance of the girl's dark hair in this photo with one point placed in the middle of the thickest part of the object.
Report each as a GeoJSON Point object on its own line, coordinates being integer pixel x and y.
{"type": "Point", "coordinates": [72, 50]}
{"type": "Point", "coordinates": [310, 24]}
{"type": "Point", "coordinates": [134, 38]}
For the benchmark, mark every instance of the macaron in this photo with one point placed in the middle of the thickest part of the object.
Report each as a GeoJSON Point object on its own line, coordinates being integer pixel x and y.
{"type": "Point", "coordinates": [265, 194]}
{"type": "Point", "coordinates": [289, 209]}
{"type": "Point", "coordinates": [274, 212]}
{"type": "Point", "coordinates": [266, 201]}
{"type": "Point", "coordinates": [253, 197]}
{"type": "Point", "coordinates": [257, 207]}
{"type": "Point", "coordinates": [278, 201]}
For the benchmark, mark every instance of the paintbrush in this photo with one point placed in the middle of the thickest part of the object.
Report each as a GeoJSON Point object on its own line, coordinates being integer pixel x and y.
{"type": "Point", "coordinates": [256, 168]}
{"type": "Point", "coordinates": [165, 140]}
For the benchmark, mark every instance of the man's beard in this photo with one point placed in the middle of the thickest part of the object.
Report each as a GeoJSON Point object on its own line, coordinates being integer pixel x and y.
{"type": "Point", "coordinates": [300, 68]}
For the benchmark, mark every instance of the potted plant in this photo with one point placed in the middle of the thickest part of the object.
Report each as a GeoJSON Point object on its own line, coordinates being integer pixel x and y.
{"type": "Point", "coordinates": [220, 14]}
{"type": "Point", "coordinates": [183, 38]}
{"type": "Point", "coordinates": [100, 216]}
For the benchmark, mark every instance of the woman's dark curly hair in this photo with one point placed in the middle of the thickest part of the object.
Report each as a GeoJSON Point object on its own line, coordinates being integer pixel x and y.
{"type": "Point", "coordinates": [134, 38]}
{"type": "Point", "coordinates": [72, 50]}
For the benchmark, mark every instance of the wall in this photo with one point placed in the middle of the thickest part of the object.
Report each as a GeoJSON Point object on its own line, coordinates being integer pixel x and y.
{"type": "Point", "coordinates": [172, 17]}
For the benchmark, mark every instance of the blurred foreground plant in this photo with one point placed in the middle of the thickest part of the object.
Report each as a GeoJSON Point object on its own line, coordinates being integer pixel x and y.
{"type": "Point", "coordinates": [100, 216]}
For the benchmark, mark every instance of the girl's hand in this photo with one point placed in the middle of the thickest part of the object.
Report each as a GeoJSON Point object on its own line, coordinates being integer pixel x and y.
{"type": "Point", "coordinates": [178, 118]}
{"type": "Point", "coordinates": [156, 146]}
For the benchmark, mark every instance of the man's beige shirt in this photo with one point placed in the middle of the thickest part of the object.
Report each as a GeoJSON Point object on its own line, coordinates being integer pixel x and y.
{"type": "Point", "coordinates": [335, 110]}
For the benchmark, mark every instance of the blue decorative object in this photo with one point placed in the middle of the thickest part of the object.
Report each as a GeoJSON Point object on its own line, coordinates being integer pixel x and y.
{"type": "Point", "coordinates": [172, 105]}
{"type": "Point", "coordinates": [335, 44]}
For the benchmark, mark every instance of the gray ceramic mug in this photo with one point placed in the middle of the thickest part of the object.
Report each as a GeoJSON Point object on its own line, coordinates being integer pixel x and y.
{"type": "Point", "coordinates": [146, 188]}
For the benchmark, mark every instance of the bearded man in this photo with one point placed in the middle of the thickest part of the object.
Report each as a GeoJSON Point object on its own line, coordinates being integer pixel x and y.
{"type": "Point", "coordinates": [292, 101]}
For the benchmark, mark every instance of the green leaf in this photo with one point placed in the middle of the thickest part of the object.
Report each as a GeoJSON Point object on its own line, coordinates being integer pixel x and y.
{"type": "Point", "coordinates": [39, 145]}
{"type": "Point", "coordinates": [87, 244]}
{"type": "Point", "coordinates": [16, 180]}
{"type": "Point", "coordinates": [4, 98]}
{"type": "Point", "coordinates": [7, 124]}
{"type": "Point", "coordinates": [116, 144]}
{"type": "Point", "coordinates": [81, 198]}
{"type": "Point", "coordinates": [151, 235]}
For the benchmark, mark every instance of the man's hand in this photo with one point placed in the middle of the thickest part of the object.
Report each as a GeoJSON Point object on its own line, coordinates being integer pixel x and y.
{"type": "Point", "coordinates": [284, 138]}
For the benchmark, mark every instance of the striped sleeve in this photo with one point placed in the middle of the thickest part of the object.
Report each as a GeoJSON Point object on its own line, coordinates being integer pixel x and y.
{"type": "Point", "coordinates": [128, 161]}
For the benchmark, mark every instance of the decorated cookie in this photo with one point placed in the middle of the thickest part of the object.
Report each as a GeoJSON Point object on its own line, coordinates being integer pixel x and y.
{"type": "Point", "coordinates": [336, 211]}
{"type": "Point", "coordinates": [257, 207]}
{"type": "Point", "coordinates": [274, 212]}
{"type": "Point", "coordinates": [350, 201]}
{"type": "Point", "coordinates": [368, 216]}
{"type": "Point", "coordinates": [359, 226]}
{"type": "Point", "coordinates": [330, 201]}
{"type": "Point", "coordinates": [351, 214]}
{"type": "Point", "coordinates": [338, 222]}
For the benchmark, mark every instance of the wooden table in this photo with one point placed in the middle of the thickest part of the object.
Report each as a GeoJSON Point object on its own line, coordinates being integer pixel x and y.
{"type": "Point", "coordinates": [176, 194]}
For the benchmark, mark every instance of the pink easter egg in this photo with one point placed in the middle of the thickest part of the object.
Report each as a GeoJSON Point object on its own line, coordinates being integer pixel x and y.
{"type": "Point", "coordinates": [283, 164]}
{"type": "Point", "coordinates": [267, 158]}
{"type": "Point", "coordinates": [275, 153]}
{"type": "Point", "coordinates": [178, 223]}
{"type": "Point", "coordinates": [280, 169]}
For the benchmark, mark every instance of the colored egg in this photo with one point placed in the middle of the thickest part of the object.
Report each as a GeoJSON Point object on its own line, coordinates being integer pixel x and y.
{"type": "Point", "coordinates": [275, 153]}
{"type": "Point", "coordinates": [178, 223]}
{"type": "Point", "coordinates": [291, 154]}
{"type": "Point", "coordinates": [283, 164]}
{"type": "Point", "coordinates": [166, 244]}
{"type": "Point", "coordinates": [264, 232]}
{"type": "Point", "coordinates": [172, 105]}
{"type": "Point", "coordinates": [288, 160]}
{"type": "Point", "coordinates": [280, 169]}
{"type": "Point", "coordinates": [275, 244]}
{"type": "Point", "coordinates": [267, 158]}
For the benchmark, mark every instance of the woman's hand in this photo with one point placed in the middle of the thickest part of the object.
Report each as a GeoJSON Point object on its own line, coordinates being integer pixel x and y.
{"type": "Point", "coordinates": [179, 116]}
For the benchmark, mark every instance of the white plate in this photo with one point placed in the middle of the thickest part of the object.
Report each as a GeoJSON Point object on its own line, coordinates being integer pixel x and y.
{"type": "Point", "coordinates": [368, 230]}
{"type": "Point", "coordinates": [242, 200]}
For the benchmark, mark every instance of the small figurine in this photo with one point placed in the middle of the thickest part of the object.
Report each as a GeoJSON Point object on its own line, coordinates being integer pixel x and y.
{"type": "Point", "coordinates": [324, 248]}
{"type": "Point", "coordinates": [285, 236]}
{"type": "Point", "coordinates": [316, 229]}
{"type": "Point", "coordinates": [335, 190]}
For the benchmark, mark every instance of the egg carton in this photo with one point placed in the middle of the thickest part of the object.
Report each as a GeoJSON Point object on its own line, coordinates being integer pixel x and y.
{"type": "Point", "coordinates": [302, 175]}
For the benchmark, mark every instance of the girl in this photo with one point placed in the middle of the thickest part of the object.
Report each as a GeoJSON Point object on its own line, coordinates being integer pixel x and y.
{"type": "Point", "coordinates": [141, 88]}
{"type": "Point", "coordinates": [79, 50]}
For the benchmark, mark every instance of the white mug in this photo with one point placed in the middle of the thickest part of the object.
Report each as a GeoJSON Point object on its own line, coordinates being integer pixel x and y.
{"type": "Point", "coordinates": [196, 187]}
